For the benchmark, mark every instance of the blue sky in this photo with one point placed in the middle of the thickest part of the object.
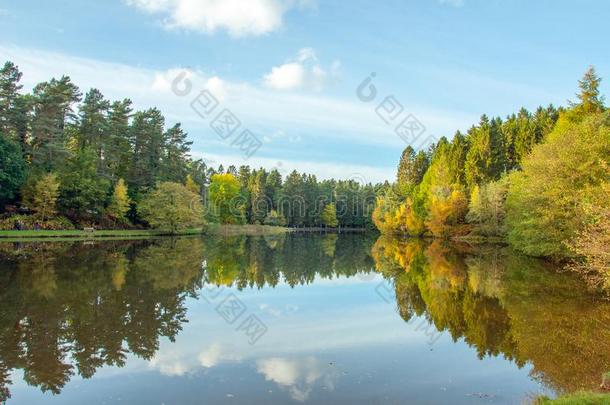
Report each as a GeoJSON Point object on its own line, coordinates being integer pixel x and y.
{"type": "Point", "coordinates": [289, 69]}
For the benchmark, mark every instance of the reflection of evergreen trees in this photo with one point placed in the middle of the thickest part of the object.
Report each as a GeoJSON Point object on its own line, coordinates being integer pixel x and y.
{"type": "Point", "coordinates": [295, 259]}
{"type": "Point", "coordinates": [503, 304]}
{"type": "Point", "coordinates": [69, 308]}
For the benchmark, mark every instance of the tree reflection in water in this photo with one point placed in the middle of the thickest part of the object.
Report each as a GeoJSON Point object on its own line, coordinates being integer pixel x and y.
{"type": "Point", "coordinates": [504, 304]}
{"type": "Point", "coordinates": [71, 308]}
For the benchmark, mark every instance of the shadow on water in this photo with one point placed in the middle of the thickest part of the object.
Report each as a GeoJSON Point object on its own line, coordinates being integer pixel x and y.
{"type": "Point", "coordinates": [71, 308]}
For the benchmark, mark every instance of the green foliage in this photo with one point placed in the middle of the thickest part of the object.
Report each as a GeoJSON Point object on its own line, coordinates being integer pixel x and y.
{"type": "Point", "coordinates": [93, 144]}
{"type": "Point", "coordinates": [411, 167]}
{"type": "Point", "coordinates": [591, 244]}
{"type": "Point", "coordinates": [226, 202]}
{"type": "Point", "coordinates": [486, 209]}
{"type": "Point", "coordinates": [578, 398]}
{"type": "Point", "coordinates": [41, 195]}
{"type": "Point", "coordinates": [171, 206]}
{"type": "Point", "coordinates": [83, 192]}
{"type": "Point", "coordinates": [485, 160]}
{"type": "Point", "coordinates": [10, 77]}
{"type": "Point", "coordinates": [51, 122]}
{"type": "Point", "coordinates": [260, 204]}
{"type": "Point", "coordinates": [329, 215]}
{"type": "Point", "coordinates": [12, 169]}
{"type": "Point", "coordinates": [545, 203]}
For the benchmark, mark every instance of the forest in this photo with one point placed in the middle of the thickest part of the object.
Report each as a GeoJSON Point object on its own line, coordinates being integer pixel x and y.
{"type": "Point", "coordinates": [68, 160]}
{"type": "Point", "coordinates": [539, 181]}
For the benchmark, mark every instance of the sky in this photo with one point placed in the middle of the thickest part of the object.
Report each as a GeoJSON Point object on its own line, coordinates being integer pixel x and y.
{"type": "Point", "coordinates": [289, 71]}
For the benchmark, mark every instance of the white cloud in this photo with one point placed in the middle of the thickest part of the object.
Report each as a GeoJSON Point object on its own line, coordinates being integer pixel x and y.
{"type": "Point", "coordinates": [285, 118]}
{"type": "Point", "coordinates": [238, 17]}
{"type": "Point", "coordinates": [301, 72]}
{"type": "Point", "coordinates": [297, 375]}
{"type": "Point", "coordinates": [216, 354]}
{"type": "Point", "coordinates": [289, 76]}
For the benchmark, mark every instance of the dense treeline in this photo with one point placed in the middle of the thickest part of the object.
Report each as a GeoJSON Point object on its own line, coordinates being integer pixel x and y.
{"type": "Point", "coordinates": [68, 159]}
{"type": "Point", "coordinates": [539, 179]}
{"type": "Point", "coordinates": [300, 200]}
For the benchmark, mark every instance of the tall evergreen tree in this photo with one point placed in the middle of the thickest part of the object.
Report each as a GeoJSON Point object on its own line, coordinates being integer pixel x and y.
{"type": "Point", "coordinates": [12, 169]}
{"type": "Point", "coordinates": [119, 148]}
{"type": "Point", "coordinates": [176, 155]}
{"type": "Point", "coordinates": [52, 108]}
{"type": "Point", "coordinates": [10, 76]}
{"type": "Point", "coordinates": [147, 136]}
{"type": "Point", "coordinates": [590, 101]}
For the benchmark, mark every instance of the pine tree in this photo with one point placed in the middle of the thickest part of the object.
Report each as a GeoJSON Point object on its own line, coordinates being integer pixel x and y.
{"type": "Point", "coordinates": [293, 205]}
{"type": "Point", "coordinates": [147, 136]}
{"type": "Point", "coordinates": [273, 187]}
{"type": "Point", "coordinates": [52, 109]}
{"type": "Point", "coordinates": [12, 169]}
{"type": "Point", "coordinates": [119, 149]}
{"type": "Point", "coordinates": [93, 123]}
{"type": "Point", "coordinates": [406, 174]}
{"type": "Point", "coordinates": [589, 97]}
{"type": "Point", "coordinates": [176, 154]}
{"type": "Point", "coordinates": [486, 158]}
{"type": "Point", "coordinates": [10, 76]}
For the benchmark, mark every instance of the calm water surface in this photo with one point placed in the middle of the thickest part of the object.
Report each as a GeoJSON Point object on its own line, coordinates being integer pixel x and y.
{"type": "Point", "coordinates": [291, 319]}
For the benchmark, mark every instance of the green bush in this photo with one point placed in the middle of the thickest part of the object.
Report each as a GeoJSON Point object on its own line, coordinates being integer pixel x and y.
{"type": "Point", "coordinates": [546, 201]}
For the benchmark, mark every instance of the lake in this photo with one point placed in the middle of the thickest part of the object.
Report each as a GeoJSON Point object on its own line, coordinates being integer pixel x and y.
{"type": "Point", "coordinates": [296, 318]}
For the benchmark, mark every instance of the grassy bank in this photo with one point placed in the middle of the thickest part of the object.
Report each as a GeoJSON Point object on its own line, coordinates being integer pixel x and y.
{"type": "Point", "coordinates": [253, 230]}
{"type": "Point", "coordinates": [95, 234]}
{"type": "Point", "coordinates": [578, 398]}
{"type": "Point", "coordinates": [211, 229]}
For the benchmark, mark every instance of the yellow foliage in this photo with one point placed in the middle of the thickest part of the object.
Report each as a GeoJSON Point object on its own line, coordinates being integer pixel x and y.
{"type": "Point", "coordinates": [446, 211]}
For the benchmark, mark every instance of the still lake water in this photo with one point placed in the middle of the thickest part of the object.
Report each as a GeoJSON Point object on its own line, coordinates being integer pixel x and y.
{"type": "Point", "coordinates": [298, 318]}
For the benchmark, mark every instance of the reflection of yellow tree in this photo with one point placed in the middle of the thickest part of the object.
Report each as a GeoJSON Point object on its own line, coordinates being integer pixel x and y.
{"type": "Point", "coordinates": [391, 254]}
{"type": "Point", "coordinates": [447, 268]}
{"type": "Point", "coordinates": [223, 259]}
{"type": "Point", "coordinates": [119, 267]}
{"type": "Point", "coordinates": [505, 304]}
{"type": "Point", "coordinates": [329, 243]}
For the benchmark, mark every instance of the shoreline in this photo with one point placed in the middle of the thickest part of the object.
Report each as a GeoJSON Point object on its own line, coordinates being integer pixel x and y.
{"type": "Point", "coordinates": [212, 229]}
